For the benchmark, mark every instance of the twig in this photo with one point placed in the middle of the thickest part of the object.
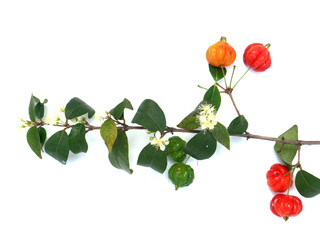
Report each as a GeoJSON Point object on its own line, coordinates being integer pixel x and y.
{"type": "Point", "coordinates": [172, 130]}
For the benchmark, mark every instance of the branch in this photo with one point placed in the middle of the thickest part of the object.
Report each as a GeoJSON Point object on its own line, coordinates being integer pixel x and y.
{"type": "Point", "coordinates": [172, 130]}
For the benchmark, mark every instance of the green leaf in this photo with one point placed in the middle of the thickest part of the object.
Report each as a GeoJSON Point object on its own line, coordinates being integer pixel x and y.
{"type": "Point", "coordinates": [39, 109]}
{"type": "Point", "coordinates": [76, 108]}
{"type": "Point", "coordinates": [191, 122]}
{"type": "Point", "coordinates": [77, 140]}
{"type": "Point", "coordinates": [108, 132]}
{"type": "Point", "coordinates": [150, 116]}
{"type": "Point", "coordinates": [32, 108]}
{"type": "Point", "coordinates": [201, 146]}
{"type": "Point", "coordinates": [287, 152]}
{"type": "Point", "coordinates": [117, 112]}
{"type": "Point", "coordinates": [33, 139]}
{"type": "Point", "coordinates": [220, 133]}
{"type": "Point", "coordinates": [213, 97]}
{"type": "Point", "coordinates": [307, 184]}
{"type": "Point", "coordinates": [57, 146]}
{"type": "Point", "coordinates": [153, 157]}
{"type": "Point", "coordinates": [217, 72]}
{"type": "Point", "coordinates": [42, 135]}
{"type": "Point", "coordinates": [119, 157]}
{"type": "Point", "coordinates": [238, 126]}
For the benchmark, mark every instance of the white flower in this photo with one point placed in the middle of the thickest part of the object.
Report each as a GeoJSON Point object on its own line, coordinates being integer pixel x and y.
{"type": "Point", "coordinates": [98, 118]}
{"type": "Point", "coordinates": [158, 141]}
{"type": "Point", "coordinates": [207, 117]}
{"type": "Point", "coordinates": [55, 118]}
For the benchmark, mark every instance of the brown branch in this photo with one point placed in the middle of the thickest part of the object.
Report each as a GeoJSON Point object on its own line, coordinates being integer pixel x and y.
{"type": "Point", "coordinates": [229, 92]}
{"type": "Point", "coordinates": [172, 130]}
{"type": "Point", "coordinates": [284, 141]}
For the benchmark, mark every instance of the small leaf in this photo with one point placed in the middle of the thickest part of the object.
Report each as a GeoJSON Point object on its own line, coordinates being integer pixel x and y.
{"type": "Point", "coordinates": [42, 135]}
{"type": "Point", "coordinates": [238, 125]}
{"type": "Point", "coordinates": [119, 157]}
{"type": "Point", "coordinates": [307, 184]}
{"type": "Point", "coordinates": [220, 133]}
{"type": "Point", "coordinates": [32, 108]}
{"type": "Point", "coordinates": [76, 108]}
{"type": "Point", "coordinates": [287, 152]}
{"type": "Point", "coordinates": [39, 109]}
{"type": "Point", "coordinates": [117, 112]}
{"type": "Point", "coordinates": [77, 140]}
{"type": "Point", "coordinates": [33, 139]}
{"type": "Point", "coordinates": [213, 97]}
{"type": "Point", "coordinates": [108, 132]}
{"type": "Point", "coordinates": [201, 146]}
{"type": "Point", "coordinates": [150, 116]}
{"type": "Point", "coordinates": [57, 146]}
{"type": "Point", "coordinates": [217, 72]}
{"type": "Point", "coordinates": [153, 157]}
{"type": "Point", "coordinates": [191, 122]}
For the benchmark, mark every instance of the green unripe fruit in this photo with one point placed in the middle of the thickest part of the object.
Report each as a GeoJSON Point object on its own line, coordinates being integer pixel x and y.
{"type": "Point", "coordinates": [178, 156]}
{"type": "Point", "coordinates": [181, 175]}
{"type": "Point", "coordinates": [175, 149]}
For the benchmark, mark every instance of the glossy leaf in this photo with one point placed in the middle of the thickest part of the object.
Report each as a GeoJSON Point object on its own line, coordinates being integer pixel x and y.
{"type": "Point", "coordinates": [213, 97]}
{"type": "Point", "coordinates": [238, 126]}
{"type": "Point", "coordinates": [77, 140]}
{"type": "Point", "coordinates": [150, 116]}
{"type": "Point", "coordinates": [216, 72]}
{"type": "Point", "coordinates": [42, 135]}
{"type": "Point", "coordinates": [32, 108]}
{"type": "Point", "coordinates": [108, 132]}
{"type": "Point", "coordinates": [307, 184]}
{"type": "Point", "coordinates": [76, 108]}
{"type": "Point", "coordinates": [153, 157]}
{"type": "Point", "coordinates": [117, 112]}
{"type": "Point", "coordinates": [119, 157]}
{"type": "Point", "coordinates": [57, 146]}
{"type": "Point", "coordinates": [220, 133]}
{"type": "Point", "coordinates": [39, 109]}
{"type": "Point", "coordinates": [201, 146]}
{"type": "Point", "coordinates": [191, 122]}
{"type": "Point", "coordinates": [287, 152]}
{"type": "Point", "coordinates": [33, 139]}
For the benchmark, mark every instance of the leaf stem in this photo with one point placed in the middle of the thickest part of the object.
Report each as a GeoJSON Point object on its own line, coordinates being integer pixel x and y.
{"type": "Point", "coordinates": [221, 86]}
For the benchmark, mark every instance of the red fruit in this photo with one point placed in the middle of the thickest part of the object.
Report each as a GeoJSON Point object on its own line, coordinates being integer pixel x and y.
{"type": "Point", "coordinates": [285, 206]}
{"type": "Point", "coordinates": [257, 56]}
{"type": "Point", "coordinates": [278, 178]}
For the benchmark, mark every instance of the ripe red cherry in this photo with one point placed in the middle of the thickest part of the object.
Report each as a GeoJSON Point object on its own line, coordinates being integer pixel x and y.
{"type": "Point", "coordinates": [285, 206]}
{"type": "Point", "coordinates": [278, 178]}
{"type": "Point", "coordinates": [257, 56]}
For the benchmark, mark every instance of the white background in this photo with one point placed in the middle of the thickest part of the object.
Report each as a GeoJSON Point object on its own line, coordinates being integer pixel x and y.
{"type": "Point", "coordinates": [104, 51]}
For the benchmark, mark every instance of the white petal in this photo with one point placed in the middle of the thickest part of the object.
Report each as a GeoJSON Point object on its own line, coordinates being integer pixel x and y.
{"type": "Point", "coordinates": [158, 135]}
{"type": "Point", "coordinates": [162, 147]}
{"type": "Point", "coordinates": [153, 142]}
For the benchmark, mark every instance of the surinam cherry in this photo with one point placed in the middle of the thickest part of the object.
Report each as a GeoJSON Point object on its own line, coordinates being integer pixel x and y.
{"type": "Point", "coordinates": [221, 54]}
{"type": "Point", "coordinates": [257, 57]}
{"type": "Point", "coordinates": [285, 206]}
{"type": "Point", "coordinates": [279, 178]}
{"type": "Point", "coordinates": [175, 147]}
